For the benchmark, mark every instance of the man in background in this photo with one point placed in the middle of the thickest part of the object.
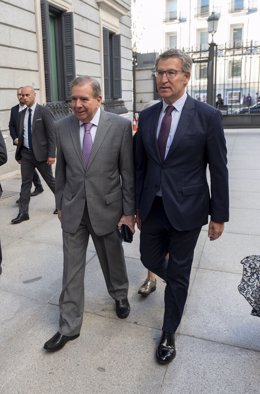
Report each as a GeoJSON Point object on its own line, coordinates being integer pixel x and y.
{"type": "Point", "coordinates": [36, 148]}
{"type": "Point", "coordinates": [219, 102]}
{"type": "Point", "coordinates": [13, 128]}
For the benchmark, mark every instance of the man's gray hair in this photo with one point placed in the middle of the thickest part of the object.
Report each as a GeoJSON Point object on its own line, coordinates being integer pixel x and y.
{"type": "Point", "coordinates": [176, 53]}
{"type": "Point", "coordinates": [84, 79]}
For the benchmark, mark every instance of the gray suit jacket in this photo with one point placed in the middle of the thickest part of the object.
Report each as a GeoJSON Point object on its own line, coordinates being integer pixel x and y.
{"type": "Point", "coordinates": [43, 134]}
{"type": "Point", "coordinates": [107, 184]}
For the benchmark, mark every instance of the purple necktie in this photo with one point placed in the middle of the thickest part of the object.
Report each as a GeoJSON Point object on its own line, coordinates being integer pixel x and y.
{"type": "Point", "coordinates": [165, 130]}
{"type": "Point", "coordinates": [87, 143]}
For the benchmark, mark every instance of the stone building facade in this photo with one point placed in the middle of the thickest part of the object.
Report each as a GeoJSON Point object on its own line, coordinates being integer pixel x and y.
{"type": "Point", "coordinates": [46, 43]}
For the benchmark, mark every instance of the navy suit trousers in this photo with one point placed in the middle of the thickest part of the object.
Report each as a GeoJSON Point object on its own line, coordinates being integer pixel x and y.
{"type": "Point", "coordinates": [158, 238]}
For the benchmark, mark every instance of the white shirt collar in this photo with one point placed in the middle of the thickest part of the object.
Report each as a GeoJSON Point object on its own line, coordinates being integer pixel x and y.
{"type": "Point", "coordinates": [95, 119]}
{"type": "Point", "coordinates": [33, 107]}
{"type": "Point", "coordinates": [178, 104]}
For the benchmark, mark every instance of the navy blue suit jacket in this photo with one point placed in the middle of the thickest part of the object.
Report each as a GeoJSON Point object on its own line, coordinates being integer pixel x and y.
{"type": "Point", "coordinates": [43, 134]}
{"type": "Point", "coordinates": [199, 143]}
{"type": "Point", "coordinates": [13, 122]}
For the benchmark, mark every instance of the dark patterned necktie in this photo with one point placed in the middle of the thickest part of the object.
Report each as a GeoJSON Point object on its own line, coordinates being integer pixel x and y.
{"type": "Point", "coordinates": [29, 128]}
{"type": "Point", "coordinates": [165, 130]}
{"type": "Point", "coordinates": [87, 143]}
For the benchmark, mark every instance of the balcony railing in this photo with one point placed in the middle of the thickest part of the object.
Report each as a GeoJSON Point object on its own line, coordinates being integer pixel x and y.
{"type": "Point", "coordinates": [202, 12]}
{"type": "Point", "coordinates": [242, 6]}
{"type": "Point", "coordinates": [171, 16]}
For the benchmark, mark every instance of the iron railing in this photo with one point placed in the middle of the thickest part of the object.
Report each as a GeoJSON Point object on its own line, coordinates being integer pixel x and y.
{"type": "Point", "coordinates": [237, 74]}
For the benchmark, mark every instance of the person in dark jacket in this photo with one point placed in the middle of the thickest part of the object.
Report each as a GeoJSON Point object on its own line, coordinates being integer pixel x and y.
{"type": "Point", "coordinates": [3, 160]}
{"type": "Point", "coordinates": [36, 148]}
{"type": "Point", "coordinates": [177, 140]}
{"type": "Point", "coordinates": [13, 128]}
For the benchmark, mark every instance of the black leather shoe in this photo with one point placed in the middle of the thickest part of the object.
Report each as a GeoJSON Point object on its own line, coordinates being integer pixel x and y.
{"type": "Point", "coordinates": [166, 352]}
{"type": "Point", "coordinates": [122, 308]}
{"type": "Point", "coordinates": [37, 190]}
{"type": "Point", "coordinates": [20, 218]}
{"type": "Point", "coordinates": [55, 212]}
{"type": "Point", "coordinates": [58, 341]}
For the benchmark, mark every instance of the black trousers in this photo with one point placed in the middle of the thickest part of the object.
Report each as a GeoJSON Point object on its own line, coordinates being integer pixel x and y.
{"type": "Point", "coordinates": [28, 165]}
{"type": "Point", "coordinates": [36, 179]}
{"type": "Point", "coordinates": [157, 239]}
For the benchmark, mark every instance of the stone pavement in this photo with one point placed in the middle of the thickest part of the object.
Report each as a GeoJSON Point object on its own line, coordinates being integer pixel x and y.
{"type": "Point", "coordinates": [218, 341]}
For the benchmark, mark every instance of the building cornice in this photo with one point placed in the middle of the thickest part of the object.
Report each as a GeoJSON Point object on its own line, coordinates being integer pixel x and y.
{"type": "Point", "coordinates": [114, 6]}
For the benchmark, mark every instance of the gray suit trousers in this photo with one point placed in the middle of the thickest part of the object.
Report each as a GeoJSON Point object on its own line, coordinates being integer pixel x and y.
{"type": "Point", "coordinates": [111, 257]}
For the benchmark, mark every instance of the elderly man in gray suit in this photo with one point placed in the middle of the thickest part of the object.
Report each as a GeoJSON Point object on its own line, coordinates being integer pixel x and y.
{"type": "Point", "coordinates": [94, 196]}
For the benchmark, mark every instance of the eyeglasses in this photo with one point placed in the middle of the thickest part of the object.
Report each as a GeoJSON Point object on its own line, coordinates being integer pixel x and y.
{"type": "Point", "coordinates": [170, 74]}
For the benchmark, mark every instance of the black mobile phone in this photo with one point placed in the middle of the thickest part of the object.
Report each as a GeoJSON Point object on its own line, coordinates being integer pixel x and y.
{"type": "Point", "coordinates": [126, 233]}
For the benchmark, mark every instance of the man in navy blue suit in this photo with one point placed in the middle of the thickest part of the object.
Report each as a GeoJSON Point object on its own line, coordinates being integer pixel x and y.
{"type": "Point", "coordinates": [177, 140]}
{"type": "Point", "coordinates": [14, 133]}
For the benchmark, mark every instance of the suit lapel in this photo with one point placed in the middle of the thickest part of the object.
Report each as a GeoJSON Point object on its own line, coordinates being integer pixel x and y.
{"type": "Point", "coordinates": [21, 124]}
{"type": "Point", "coordinates": [36, 115]}
{"type": "Point", "coordinates": [187, 116]}
{"type": "Point", "coordinates": [153, 118]}
{"type": "Point", "coordinates": [102, 129]}
{"type": "Point", "coordinates": [73, 128]}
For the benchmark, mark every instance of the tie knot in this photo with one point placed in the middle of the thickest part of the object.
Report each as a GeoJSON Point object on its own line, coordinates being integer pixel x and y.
{"type": "Point", "coordinates": [169, 109]}
{"type": "Point", "coordinates": [30, 110]}
{"type": "Point", "coordinates": [87, 127]}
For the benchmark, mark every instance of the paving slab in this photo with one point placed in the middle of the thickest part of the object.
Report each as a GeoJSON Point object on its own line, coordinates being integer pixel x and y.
{"type": "Point", "coordinates": [203, 367]}
{"type": "Point", "coordinates": [243, 221]}
{"type": "Point", "coordinates": [108, 357]}
{"type": "Point", "coordinates": [225, 254]}
{"type": "Point", "coordinates": [242, 173]}
{"type": "Point", "coordinates": [244, 199]}
{"type": "Point", "coordinates": [216, 311]}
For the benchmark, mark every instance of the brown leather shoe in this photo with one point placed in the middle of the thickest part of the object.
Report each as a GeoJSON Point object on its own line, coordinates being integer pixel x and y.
{"type": "Point", "coordinates": [147, 287]}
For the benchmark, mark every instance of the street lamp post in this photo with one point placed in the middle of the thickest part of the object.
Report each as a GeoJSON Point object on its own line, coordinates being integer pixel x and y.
{"type": "Point", "coordinates": [212, 59]}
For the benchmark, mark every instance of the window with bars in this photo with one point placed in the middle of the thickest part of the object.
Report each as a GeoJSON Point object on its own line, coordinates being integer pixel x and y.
{"type": "Point", "coordinates": [237, 36]}
{"type": "Point", "coordinates": [204, 7]}
{"type": "Point", "coordinates": [172, 41]}
{"type": "Point", "coordinates": [235, 68]}
{"type": "Point", "coordinates": [171, 10]}
{"type": "Point", "coordinates": [237, 5]}
{"type": "Point", "coordinates": [203, 39]}
{"type": "Point", "coordinates": [201, 71]}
